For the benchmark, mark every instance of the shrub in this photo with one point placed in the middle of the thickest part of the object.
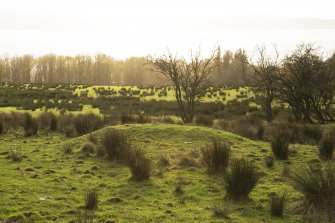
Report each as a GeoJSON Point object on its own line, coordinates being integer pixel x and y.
{"type": "Point", "coordinates": [240, 179]}
{"type": "Point", "coordinates": [30, 125]}
{"type": "Point", "coordinates": [140, 166]}
{"type": "Point", "coordinates": [88, 148]}
{"type": "Point", "coordinates": [279, 147]}
{"type": "Point", "coordinates": [277, 204]}
{"type": "Point", "coordinates": [115, 143]}
{"type": "Point", "coordinates": [187, 161]}
{"type": "Point", "coordinates": [269, 161]}
{"type": "Point", "coordinates": [85, 123]}
{"type": "Point", "coordinates": [203, 120]}
{"type": "Point", "coordinates": [317, 184]}
{"type": "Point", "coordinates": [326, 147]}
{"type": "Point", "coordinates": [127, 118]}
{"type": "Point", "coordinates": [216, 155]}
{"type": "Point", "coordinates": [53, 122]}
{"type": "Point", "coordinates": [91, 200]}
{"type": "Point", "coordinates": [44, 120]}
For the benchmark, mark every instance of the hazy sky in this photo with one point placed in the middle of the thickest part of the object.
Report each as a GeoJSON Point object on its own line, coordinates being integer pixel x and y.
{"type": "Point", "coordinates": [124, 28]}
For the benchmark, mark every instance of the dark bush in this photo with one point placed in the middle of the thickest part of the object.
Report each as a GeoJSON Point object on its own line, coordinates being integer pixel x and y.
{"type": "Point", "coordinates": [326, 147]}
{"type": "Point", "coordinates": [140, 166]}
{"type": "Point", "coordinates": [86, 123]}
{"type": "Point", "coordinates": [216, 155]}
{"type": "Point", "coordinates": [115, 143]}
{"type": "Point", "coordinates": [101, 151]}
{"type": "Point", "coordinates": [30, 125]}
{"type": "Point", "coordinates": [53, 122]}
{"type": "Point", "coordinates": [279, 147]}
{"type": "Point", "coordinates": [277, 204]}
{"type": "Point", "coordinates": [91, 200]}
{"type": "Point", "coordinates": [205, 120]}
{"type": "Point", "coordinates": [269, 161]}
{"type": "Point", "coordinates": [317, 184]}
{"type": "Point", "coordinates": [240, 179]}
{"type": "Point", "coordinates": [127, 118]}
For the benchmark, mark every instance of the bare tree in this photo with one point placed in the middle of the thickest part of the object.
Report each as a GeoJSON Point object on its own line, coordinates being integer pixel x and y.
{"type": "Point", "coordinates": [265, 77]}
{"type": "Point", "coordinates": [189, 77]}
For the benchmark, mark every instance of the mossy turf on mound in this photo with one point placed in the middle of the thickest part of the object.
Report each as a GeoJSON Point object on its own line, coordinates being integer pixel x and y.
{"type": "Point", "coordinates": [49, 184]}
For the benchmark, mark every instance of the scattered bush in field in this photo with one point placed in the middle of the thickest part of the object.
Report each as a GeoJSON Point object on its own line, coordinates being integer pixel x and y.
{"type": "Point", "coordinates": [269, 161]}
{"type": "Point", "coordinates": [279, 147]}
{"type": "Point", "coordinates": [91, 200]}
{"type": "Point", "coordinates": [216, 155]}
{"type": "Point", "coordinates": [88, 148]}
{"type": "Point", "coordinates": [86, 123]}
{"type": "Point", "coordinates": [30, 125]}
{"type": "Point", "coordinates": [221, 211]}
{"type": "Point", "coordinates": [101, 151]}
{"type": "Point", "coordinates": [312, 132]}
{"type": "Point", "coordinates": [15, 155]}
{"type": "Point", "coordinates": [180, 182]}
{"type": "Point", "coordinates": [317, 184]}
{"type": "Point", "coordinates": [326, 147]}
{"type": "Point", "coordinates": [115, 143]}
{"type": "Point", "coordinates": [240, 179]}
{"type": "Point", "coordinates": [205, 120]}
{"type": "Point", "coordinates": [127, 118]}
{"type": "Point", "coordinates": [53, 122]}
{"type": "Point", "coordinates": [140, 166]}
{"type": "Point", "coordinates": [142, 118]}
{"type": "Point", "coordinates": [277, 204]}
{"type": "Point", "coordinates": [44, 120]}
{"type": "Point", "coordinates": [69, 130]}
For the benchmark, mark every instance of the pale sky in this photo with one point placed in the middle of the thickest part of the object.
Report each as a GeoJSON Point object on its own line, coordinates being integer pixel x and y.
{"type": "Point", "coordinates": [124, 28]}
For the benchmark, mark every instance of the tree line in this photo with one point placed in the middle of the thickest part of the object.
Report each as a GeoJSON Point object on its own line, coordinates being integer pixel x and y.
{"type": "Point", "coordinates": [105, 70]}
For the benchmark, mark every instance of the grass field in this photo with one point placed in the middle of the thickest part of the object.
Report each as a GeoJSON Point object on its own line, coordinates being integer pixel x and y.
{"type": "Point", "coordinates": [49, 185]}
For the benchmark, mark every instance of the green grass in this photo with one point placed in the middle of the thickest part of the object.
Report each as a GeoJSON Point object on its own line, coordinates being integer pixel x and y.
{"type": "Point", "coordinates": [49, 185]}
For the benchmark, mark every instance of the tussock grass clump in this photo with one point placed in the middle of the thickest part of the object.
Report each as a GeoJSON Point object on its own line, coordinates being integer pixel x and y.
{"type": "Point", "coordinates": [221, 211]}
{"type": "Point", "coordinates": [86, 123]}
{"type": "Point", "coordinates": [277, 204]}
{"type": "Point", "coordinates": [280, 148]}
{"type": "Point", "coordinates": [205, 120]}
{"type": "Point", "coordinates": [317, 184]}
{"type": "Point", "coordinates": [269, 161]}
{"type": "Point", "coordinates": [53, 122]}
{"type": "Point", "coordinates": [326, 147]}
{"type": "Point", "coordinates": [30, 125]}
{"type": "Point", "coordinates": [91, 200]}
{"type": "Point", "coordinates": [15, 155]}
{"type": "Point", "coordinates": [240, 179]}
{"type": "Point", "coordinates": [140, 166]}
{"type": "Point", "coordinates": [216, 155]}
{"type": "Point", "coordinates": [115, 143]}
{"type": "Point", "coordinates": [88, 148]}
{"type": "Point", "coordinates": [127, 118]}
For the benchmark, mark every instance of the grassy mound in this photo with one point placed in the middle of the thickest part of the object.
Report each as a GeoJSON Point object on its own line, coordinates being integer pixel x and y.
{"type": "Point", "coordinates": [49, 185]}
